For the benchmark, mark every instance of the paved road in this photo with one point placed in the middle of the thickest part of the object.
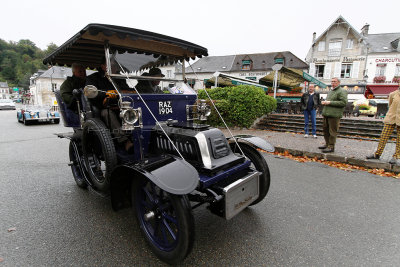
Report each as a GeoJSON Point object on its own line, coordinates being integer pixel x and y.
{"type": "Point", "coordinates": [314, 215]}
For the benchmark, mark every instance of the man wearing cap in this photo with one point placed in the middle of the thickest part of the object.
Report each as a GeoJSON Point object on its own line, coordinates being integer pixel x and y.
{"type": "Point", "coordinates": [150, 87]}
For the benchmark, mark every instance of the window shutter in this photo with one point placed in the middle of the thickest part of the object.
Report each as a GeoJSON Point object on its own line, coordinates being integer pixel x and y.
{"type": "Point", "coordinates": [338, 67]}
{"type": "Point", "coordinates": [312, 69]}
{"type": "Point", "coordinates": [356, 68]}
{"type": "Point", "coordinates": [327, 71]}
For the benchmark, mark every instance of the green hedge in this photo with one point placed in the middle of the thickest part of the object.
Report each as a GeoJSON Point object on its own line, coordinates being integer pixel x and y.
{"type": "Point", "coordinates": [239, 105]}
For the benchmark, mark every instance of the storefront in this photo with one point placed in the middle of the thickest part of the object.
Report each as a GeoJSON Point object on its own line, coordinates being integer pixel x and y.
{"type": "Point", "coordinates": [380, 90]}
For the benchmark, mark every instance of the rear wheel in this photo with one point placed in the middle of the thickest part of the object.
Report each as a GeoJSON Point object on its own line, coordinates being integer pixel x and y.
{"type": "Point", "coordinates": [56, 121]}
{"type": "Point", "coordinates": [98, 152]}
{"type": "Point", "coordinates": [166, 220]}
{"type": "Point", "coordinates": [76, 169]}
{"type": "Point", "coordinates": [259, 163]}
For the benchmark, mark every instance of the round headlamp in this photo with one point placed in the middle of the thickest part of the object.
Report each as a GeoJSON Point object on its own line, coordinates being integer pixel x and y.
{"type": "Point", "coordinates": [130, 116]}
{"type": "Point", "coordinates": [206, 110]}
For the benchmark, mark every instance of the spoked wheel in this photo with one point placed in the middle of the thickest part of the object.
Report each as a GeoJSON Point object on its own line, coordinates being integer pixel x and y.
{"type": "Point", "coordinates": [77, 171]}
{"type": "Point", "coordinates": [98, 152]}
{"type": "Point", "coordinates": [166, 220]}
{"type": "Point", "coordinates": [259, 163]}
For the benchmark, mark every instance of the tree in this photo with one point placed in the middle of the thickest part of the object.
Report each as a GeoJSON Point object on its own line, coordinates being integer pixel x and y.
{"type": "Point", "coordinates": [19, 60]}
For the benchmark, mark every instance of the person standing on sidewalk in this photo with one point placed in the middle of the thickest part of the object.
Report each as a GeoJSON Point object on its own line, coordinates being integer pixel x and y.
{"type": "Point", "coordinates": [391, 121]}
{"type": "Point", "coordinates": [309, 103]}
{"type": "Point", "coordinates": [334, 105]}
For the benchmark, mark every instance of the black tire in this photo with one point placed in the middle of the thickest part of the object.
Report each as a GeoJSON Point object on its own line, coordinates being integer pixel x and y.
{"type": "Point", "coordinates": [170, 231]}
{"type": "Point", "coordinates": [260, 164]}
{"type": "Point", "coordinates": [56, 121]}
{"type": "Point", "coordinates": [26, 122]}
{"type": "Point", "coordinates": [98, 152]}
{"type": "Point", "coordinates": [75, 168]}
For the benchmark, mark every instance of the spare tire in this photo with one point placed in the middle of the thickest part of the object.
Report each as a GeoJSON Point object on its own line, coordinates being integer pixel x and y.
{"type": "Point", "coordinates": [98, 152]}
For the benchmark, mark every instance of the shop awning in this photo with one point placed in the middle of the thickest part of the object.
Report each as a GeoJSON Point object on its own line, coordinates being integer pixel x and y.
{"type": "Point", "coordinates": [382, 90]}
{"type": "Point", "coordinates": [289, 78]}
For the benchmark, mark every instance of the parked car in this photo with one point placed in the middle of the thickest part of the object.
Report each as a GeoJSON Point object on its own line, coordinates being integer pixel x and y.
{"type": "Point", "coordinates": [7, 104]}
{"type": "Point", "coordinates": [176, 164]}
{"type": "Point", "coordinates": [34, 114]}
{"type": "Point", "coordinates": [367, 107]}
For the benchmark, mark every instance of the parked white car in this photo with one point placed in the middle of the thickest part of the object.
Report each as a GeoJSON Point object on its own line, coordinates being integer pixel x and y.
{"type": "Point", "coordinates": [7, 104]}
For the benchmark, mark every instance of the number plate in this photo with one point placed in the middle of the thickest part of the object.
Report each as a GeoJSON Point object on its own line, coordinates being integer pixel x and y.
{"type": "Point", "coordinates": [165, 107]}
{"type": "Point", "coordinates": [240, 194]}
{"type": "Point", "coordinates": [43, 120]}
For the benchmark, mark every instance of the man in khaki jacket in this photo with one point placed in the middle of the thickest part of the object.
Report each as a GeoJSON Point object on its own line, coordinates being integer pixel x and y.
{"type": "Point", "coordinates": [391, 121]}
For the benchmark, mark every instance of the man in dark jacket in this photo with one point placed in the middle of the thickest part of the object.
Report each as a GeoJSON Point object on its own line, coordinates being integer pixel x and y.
{"type": "Point", "coordinates": [101, 82]}
{"type": "Point", "coordinates": [75, 82]}
{"type": "Point", "coordinates": [309, 103]}
{"type": "Point", "coordinates": [334, 105]}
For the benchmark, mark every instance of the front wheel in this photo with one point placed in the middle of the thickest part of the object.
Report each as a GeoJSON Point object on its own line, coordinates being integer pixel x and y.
{"type": "Point", "coordinates": [166, 220]}
{"type": "Point", "coordinates": [259, 163]}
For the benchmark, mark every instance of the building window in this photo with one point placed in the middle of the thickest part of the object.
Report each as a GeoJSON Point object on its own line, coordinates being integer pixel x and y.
{"type": "Point", "coordinates": [349, 44]}
{"type": "Point", "coordinates": [319, 71]}
{"type": "Point", "coordinates": [321, 46]}
{"type": "Point", "coordinates": [346, 71]}
{"type": "Point", "coordinates": [335, 48]}
{"type": "Point", "coordinates": [397, 70]}
{"type": "Point", "coordinates": [169, 73]}
{"type": "Point", "coordinates": [246, 64]}
{"type": "Point", "coordinates": [380, 70]}
{"type": "Point", "coordinates": [53, 87]}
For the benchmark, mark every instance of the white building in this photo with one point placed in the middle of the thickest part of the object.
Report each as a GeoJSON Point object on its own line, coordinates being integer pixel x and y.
{"type": "Point", "coordinates": [44, 83]}
{"type": "Point", "coordinates": [356, 58]}
{"type": "Point", "coordinates": [4, 90]}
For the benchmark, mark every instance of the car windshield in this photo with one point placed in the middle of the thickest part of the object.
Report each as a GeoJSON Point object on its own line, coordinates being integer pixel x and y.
{"type": "Point", "coordinates": [139, 65]}
{"type": "Point", "coordinates": [6, 101]}
{"type": "Point", "coordinates": [37, 108]}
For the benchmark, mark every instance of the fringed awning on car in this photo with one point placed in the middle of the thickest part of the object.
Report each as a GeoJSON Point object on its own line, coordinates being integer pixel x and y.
{"type": "Point", "coordinates": [87, 46]}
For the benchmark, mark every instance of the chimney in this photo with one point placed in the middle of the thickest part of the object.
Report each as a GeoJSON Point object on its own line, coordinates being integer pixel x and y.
{"type": "Point", "coordinates": [365, 29]}
{"type": "Point", "coordinates": [314, 36]}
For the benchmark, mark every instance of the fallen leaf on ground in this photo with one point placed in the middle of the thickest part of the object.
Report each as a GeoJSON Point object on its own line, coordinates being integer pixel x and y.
{"type": "Point", "coordinates": [342, 166]}
{"type": "Point", "coordinates": [12, 229]}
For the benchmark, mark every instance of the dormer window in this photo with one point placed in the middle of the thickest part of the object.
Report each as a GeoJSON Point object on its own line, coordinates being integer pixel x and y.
{"type": "Point", "coordinates": [247, 64]}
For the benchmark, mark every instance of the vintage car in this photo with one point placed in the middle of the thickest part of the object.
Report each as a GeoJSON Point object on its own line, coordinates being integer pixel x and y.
{"type": "Point", "coordinates": [30, 114]}
{"type": "Point", "coordinates": [368, 107]}
{"type": "Point", "coordinates": [177, 163]}
{"type": "Point", "coordinates": [7, 104]}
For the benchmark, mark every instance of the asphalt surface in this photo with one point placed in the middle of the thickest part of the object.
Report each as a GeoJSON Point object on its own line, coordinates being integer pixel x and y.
{"type": "Point", "coordinates": [313, 215]}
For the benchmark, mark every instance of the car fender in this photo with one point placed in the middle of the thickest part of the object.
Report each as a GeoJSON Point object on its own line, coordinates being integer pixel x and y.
{"type": "Point", "coordinates": [172, 174]}
{"type": "Point", "coordinates": [253, 141]}
{"type": "Point", "coordinates": [27, 115]}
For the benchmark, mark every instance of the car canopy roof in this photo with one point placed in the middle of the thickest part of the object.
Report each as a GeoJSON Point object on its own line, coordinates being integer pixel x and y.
{"type": "Point", "coordinates": [87, 46]}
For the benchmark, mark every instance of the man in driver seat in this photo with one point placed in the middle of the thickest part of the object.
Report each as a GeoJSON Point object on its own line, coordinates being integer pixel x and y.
{"type": "Point", "coordinates": [105, 93]}
{"type": "Point", "coordinates": [150, 87]}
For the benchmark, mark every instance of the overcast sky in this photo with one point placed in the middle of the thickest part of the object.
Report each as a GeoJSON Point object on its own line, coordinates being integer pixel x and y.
{"type": "Point", "coordinates": [224, 27]}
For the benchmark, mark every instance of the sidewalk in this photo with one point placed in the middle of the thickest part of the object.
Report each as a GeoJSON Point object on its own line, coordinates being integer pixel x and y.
{"type": "Point", "coordinates": [350, 151]}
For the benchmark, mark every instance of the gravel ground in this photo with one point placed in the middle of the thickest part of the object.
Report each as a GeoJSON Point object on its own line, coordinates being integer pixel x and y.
{"type": "Point", "coordinates": [353, 148]}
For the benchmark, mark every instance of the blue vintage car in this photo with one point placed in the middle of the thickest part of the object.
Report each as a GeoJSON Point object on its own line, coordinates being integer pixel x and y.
{"type": "Point", "coordinates": [37, 114]}
{"type": "Point", "coordinates": [176, 164]}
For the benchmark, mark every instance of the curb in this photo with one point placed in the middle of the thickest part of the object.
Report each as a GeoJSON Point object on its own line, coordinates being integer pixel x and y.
{"type": "Point", "coordinates": [370, 164]}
